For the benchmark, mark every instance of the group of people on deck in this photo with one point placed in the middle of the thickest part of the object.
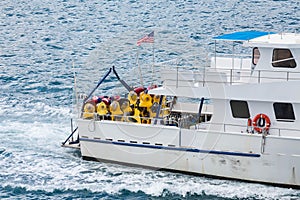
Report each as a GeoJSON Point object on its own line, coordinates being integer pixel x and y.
{"type": "Point", "coordinates": [139, 107]}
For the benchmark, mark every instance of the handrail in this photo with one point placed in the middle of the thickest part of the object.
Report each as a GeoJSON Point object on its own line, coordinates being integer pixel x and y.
{"type": "Point", "coordinates": [63, 143]}
{"type": "Point", "coordinates": [177, 123]}
{"type": "Point", "coordinates": [278, 130]}
{"type": "Point", "coordinates": [230, 76]}
{"type": "Point", "coordinates": [125, 118]}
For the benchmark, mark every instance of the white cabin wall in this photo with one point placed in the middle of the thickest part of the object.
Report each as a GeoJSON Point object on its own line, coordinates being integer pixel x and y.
{"type": "Point", "coordinates": [264, 63]}
{"type": "Point", "coordinates": [223, 120]}
{"type": "Point", "coordinates": [278, 127]}
{"type": "Point", "coordinates": [233, 124]}
{"type": "Point", "coordinates": [288, 128]}
{"type": "Point", "coordinates": [219, 116]}
{"type": "Point", "coordinates": [296, 54]}
{"type": "Point", "coordinates": [265, 72]}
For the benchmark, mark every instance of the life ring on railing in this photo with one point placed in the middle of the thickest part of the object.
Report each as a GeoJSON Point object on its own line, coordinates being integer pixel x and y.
{"type": "Point", "coordinates": [261, 122]}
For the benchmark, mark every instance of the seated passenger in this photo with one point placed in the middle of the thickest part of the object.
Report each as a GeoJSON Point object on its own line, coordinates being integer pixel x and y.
{"type": "Point", "coordinates": [125, 108]}
{"type": "Point", "coordinates": [102, 110]}
{"type": "Point", "coordinates": [88, 110]}
{"type": "Point", "coordinates": [145, 105]}
{"type": "Point", "coordinates": [116, 113]}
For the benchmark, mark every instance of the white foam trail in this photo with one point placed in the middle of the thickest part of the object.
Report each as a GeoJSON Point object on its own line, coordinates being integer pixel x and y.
{"type": "Point", "coordinates": [32, 158]}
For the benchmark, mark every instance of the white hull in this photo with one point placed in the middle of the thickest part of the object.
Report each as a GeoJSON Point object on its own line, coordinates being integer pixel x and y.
{"type": "Point", "coordinates": [229, 155]}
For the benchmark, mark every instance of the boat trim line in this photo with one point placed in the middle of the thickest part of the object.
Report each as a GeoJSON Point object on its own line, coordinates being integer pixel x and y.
{"type": "Point", "coordinates": [194, 150]}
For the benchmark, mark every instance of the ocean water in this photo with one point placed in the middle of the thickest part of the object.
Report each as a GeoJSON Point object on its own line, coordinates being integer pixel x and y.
{"type": "Point", "coordinates": [43, 43]}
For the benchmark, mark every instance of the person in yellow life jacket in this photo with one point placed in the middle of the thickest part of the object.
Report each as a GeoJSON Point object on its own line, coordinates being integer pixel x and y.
{"type": "Point", "coordinates": [134, 113]}
{"type": "Point", "coordinates": [154, 106]}
{"type": "Point", "coordinates": [102, 110]}
{"type": "Point", "coordinates": [125, 108]}
{"type": "Point", "coordinates": [116, 113]}
{"type": "Point", "coordinates": [144, 105]}
{"type": "Point", "coordinates": [135, 117]}
{"type": "Point", "coordinates": [132, 97]}
{"type": "Point", "coordinates": [165, 110]}
{"type": "Point", "coordinates": [88, 110]}
{"type": "Point", "coordinates": [153, 109]}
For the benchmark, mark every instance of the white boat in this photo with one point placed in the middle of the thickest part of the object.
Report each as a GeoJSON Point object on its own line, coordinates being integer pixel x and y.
{"type": "Point", "coordinates": [237, 119]}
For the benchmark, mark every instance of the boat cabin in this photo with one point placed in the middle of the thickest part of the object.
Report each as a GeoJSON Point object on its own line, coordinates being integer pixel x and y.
{"type": "Point", "coordinates": [241, 88]}
{"type": "Point", "coordinates": [274, 57]}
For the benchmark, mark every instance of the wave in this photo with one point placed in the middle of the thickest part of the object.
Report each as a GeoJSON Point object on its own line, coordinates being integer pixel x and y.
{"type": "Point", "coordinates": [53, 171]}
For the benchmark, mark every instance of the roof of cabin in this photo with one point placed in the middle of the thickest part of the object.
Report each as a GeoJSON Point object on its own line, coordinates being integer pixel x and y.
{"type": "Point", "coordinates": [241, 36]}
{"type": "Point", "coordinates": [282, 40]}
{"type": "Point", "coordinates": [263, 39]}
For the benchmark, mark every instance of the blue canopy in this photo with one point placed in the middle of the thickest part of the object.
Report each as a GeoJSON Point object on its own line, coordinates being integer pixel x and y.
{"type": "Point", "coordinates": [241, 36]}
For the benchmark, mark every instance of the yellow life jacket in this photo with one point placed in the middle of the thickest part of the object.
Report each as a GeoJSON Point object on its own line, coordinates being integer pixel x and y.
{"type": "Point", "coordinates": [136, 117]}
{"type": "Point", "coordinates": [115, 110]}
{"type": "Point", "coordinates": [88, 111]}
{"type": "Point", "coordinates": [132, 97]}
{"type": "Point", "coordinates": [145, 100]}
{"type": "Point", "coordinates": [102, 109]}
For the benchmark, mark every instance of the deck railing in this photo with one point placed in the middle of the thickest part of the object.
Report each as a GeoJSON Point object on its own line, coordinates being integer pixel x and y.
{"type": "Point", "coordinates": [244, 129]}
{"type": "Point", "coordinates": [215, 126]}
{"type": "Point", "coordinates": [224, 127]}
{"type": "Point", "coordinates": [177, 78]}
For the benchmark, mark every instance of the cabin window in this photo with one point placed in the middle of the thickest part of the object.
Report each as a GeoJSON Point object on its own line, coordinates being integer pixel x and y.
{"type": "Point", "coordinates": [284, 111]}
{"type": "Point", "coordinates": [283, 58]}
{"type": "Point", "coordinates": [255, 56]}
{"type": "Point", "coordinates": [239, 109]}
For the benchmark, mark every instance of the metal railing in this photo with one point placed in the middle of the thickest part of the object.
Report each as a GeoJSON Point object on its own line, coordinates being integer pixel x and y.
{"type": "Point", "coordinates": [167, 121]}
{"type": "Point", "coordinates": [227, 76]}
{"type": "Point", "coordinates": [244, 129]}
{"type": "Point", "coordinates": [164, 120]}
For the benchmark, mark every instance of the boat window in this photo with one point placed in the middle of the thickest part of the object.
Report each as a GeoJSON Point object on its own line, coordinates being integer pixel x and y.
{"type": "Point", "coordinates": [255, 56]}
{"type": "Point", "coordinates": [283, 58]}
{"type": "Point", "coordinates": [239, 109]}
{"type": "Point", "coordinates": [284, 111]}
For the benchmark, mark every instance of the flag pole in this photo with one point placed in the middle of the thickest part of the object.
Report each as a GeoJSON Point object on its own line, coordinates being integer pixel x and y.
{"type": "Point", "coordinates": [75, 88]}
{"type": "Point", "coordinates": [138, 63]}
{"type": "Point", "coordinates": [152, 63]}
{"type": "Point", "coordinates": [146, 39]}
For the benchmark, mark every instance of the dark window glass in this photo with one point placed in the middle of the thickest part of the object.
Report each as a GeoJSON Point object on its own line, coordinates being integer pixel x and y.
{"type": "Point", "coordinates": [283, 58]}
{"type": "Point", "coordinates": [284, 111]}
{"type": "Point", "coordinates": [239, 109]}
{"type": "Point", "coordinates": [256, 55]}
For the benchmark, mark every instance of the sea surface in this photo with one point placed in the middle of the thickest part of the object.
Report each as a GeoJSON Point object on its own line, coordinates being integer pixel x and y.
{"type": "Point", "coordinates": [43, 44]}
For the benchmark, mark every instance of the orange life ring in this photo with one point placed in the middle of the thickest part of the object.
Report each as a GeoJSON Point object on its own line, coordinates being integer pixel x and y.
{"type": "Point", "coordinates": [261, 122]}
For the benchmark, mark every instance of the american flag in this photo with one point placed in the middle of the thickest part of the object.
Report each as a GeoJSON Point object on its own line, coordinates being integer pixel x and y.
{"type": "Point", "coordinates": [147, 39]}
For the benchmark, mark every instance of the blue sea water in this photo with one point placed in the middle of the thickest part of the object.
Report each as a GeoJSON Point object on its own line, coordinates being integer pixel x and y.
{"type": "Point", "coordinates": [44, 42]}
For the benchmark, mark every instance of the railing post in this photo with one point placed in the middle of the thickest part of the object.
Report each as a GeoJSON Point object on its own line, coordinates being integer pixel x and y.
{"type": "Point", "coordinates": [231, 73]}
{"type": "Point", "coordinates": [204, 73]}
{"type": "Point", "coordinates": [177, 78]}
{"type": "Point", "coordinates": [287, 76]}
{"type": "Point", "coordinates": [179, 136]}
{"type": "Point", "coordinates": [258, 76]}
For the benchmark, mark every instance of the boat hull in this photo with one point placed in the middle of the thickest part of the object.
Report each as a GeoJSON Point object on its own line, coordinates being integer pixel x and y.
{"type": "Point", "coordinates": [243, 156]}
